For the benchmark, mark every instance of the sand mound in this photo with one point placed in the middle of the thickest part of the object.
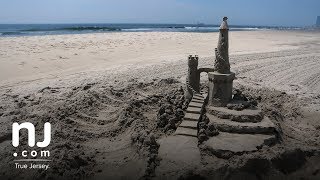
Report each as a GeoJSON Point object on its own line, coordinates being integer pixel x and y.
{"type": "Point", "coordinates": [87, 113]}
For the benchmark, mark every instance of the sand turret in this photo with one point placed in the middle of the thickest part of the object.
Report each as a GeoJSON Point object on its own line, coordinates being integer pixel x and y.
{"type": "Point", "coordinates": [222, 64]}
{"type": "Point", "coordinates": [193, 77]}
{"type": "Point", "coordinates": [221, 80]}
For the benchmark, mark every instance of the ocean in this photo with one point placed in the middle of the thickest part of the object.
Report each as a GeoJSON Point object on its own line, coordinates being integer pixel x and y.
{"type": "Point", "coordinates": [56, 29]}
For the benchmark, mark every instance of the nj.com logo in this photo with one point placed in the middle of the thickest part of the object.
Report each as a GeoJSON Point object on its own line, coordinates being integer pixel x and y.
{"type": "Point", "coordinates": [31, 139]}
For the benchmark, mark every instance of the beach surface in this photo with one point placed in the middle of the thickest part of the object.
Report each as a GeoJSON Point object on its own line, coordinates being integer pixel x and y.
{"type": "Point", "coordinates": [38, 57]}
{"type": "Point", "coordinates": [102, 93]}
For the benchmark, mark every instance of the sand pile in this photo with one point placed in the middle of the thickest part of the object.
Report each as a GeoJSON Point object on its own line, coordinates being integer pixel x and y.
{"type": "Point", "coordinates": [94, 111]}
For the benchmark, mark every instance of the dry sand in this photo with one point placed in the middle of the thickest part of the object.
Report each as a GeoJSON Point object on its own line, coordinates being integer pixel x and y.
{"type": "Point", "coordinates": [30, 58]}
{"type": "Point", "coordinates": [102, 92]}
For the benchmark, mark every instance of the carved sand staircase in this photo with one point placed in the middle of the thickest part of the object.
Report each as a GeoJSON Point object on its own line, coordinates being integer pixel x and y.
{"type": "Point", "coordinates": [181, 150]}
{"type": "Point", "coordinates": [239, 131]}
{"type": "Point", "coordinates": [189, 125]}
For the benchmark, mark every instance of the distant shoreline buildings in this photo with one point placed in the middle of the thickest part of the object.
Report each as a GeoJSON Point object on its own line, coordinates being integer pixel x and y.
{"type": "Point", "coordinates": [318, 21]}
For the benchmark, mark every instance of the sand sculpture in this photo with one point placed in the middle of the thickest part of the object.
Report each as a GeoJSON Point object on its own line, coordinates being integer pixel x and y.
{"type": "Point", "coordinates": [220, 77]}
{"type": "Point", "coordinates": [220, 81]}
{"type": "Point", "coordinates": [233, 125]}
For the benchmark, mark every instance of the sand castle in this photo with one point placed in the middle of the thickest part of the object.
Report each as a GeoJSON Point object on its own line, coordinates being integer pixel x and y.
{"type": "Point", "coordinates": [232, 125]}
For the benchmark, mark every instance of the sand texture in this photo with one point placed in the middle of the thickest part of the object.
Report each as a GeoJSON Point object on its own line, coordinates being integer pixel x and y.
{"type": "Point", "coordinates": [106, 95]}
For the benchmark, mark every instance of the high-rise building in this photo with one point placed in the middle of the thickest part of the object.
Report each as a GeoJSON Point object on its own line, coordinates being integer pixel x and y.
{"type": "Point", "coordinates": [318, 21]}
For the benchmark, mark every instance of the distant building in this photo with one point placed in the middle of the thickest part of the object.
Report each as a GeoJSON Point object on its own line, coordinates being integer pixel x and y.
{"type": "Point", "coordinates": [318, 21]}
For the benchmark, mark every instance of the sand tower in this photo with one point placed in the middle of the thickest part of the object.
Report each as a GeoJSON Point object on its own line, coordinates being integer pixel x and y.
{"type": "Point", "coordinates": [193, 78]}
{"type": "Point", "coordinates": [221, 80]}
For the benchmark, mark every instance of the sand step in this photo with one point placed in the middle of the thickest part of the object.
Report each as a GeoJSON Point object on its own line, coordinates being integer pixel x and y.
{"type": "Point", "coordinates": [195, 104]}
{"type": "Point", "coordinates": [227, 144]}
{"type": "Point", "coordinates": [192, 117]}
{"type": "Point", "coordinates": [198, 95]}
{"type": "Point", "coordinates": [189, 124]}
{"type": "Point", "coordinates": [226, 125]}
{"type": "Point", "coordinates": [198, 98]}
{"type": "Point", "coordinates": [196, 110]}
{"type": "Point", "coordinates": [246, 115]}
{"type": "Point", "coordinates": [197, 101]}
{"type": "Point", "coordinates": [186, 132]}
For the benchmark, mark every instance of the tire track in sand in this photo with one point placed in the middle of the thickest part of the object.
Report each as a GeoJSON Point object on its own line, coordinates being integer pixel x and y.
{"type": "Point", "coordinates": [293, 72]}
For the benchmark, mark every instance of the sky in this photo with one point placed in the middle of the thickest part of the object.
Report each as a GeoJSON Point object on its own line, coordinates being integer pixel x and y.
{"type": "Point", "coordinates": [240, 12]}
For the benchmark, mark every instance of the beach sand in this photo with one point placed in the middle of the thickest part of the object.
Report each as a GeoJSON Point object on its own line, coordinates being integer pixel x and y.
{"type": "Point", "coordinates": [102, 93]}
{"type": "Point", "coordinates": [29, 58]}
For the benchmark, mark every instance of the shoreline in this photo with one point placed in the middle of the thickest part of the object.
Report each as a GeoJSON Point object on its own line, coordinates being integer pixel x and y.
{"type": "Point", "coordinates": [88, 28]}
